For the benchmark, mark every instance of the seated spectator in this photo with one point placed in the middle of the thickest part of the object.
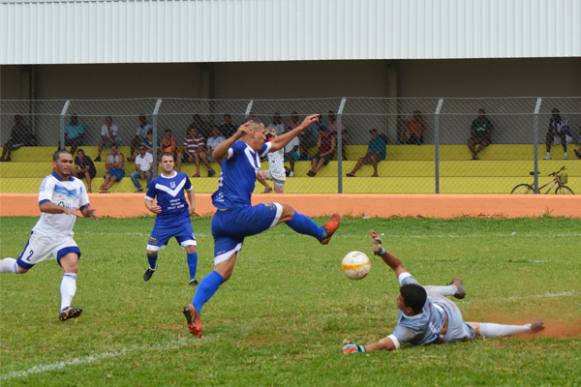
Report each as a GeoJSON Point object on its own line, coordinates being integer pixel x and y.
{"type": "Point", "coordinates": [114, 165]}
{"type": "Point", "coordinates": [375, 153]}
{"type": "Point", "coordinates": [20, 135]}
{"type": "Point", "coordinates": [559, 126]}
{"type": "Point", "coordinates": [292, 152]}
{"type": "Point", "coordinates": [109, 136]}
{"type": "Point", "coordinates": [74, 133]}
{"type": "Point", "coordinates": [480, 134]}
{"type": "Point", "coordinates": [414, 129]}
{"type": "Point", "coordinates": [276, 124]}
{"type": "Point", "coordinates": [85, 168]}
{"type": "Point", "coordinates": [143, 168]}
{"type": "Point", "coordinates": [228, 128]}
{"type": "Point", "coordinates": [148, 142]}
{"type": "Point", "coordinates": [333, 126]}
{"type": "Point", "coordinates": [195, 151]}
{"type": "Point", "coordinates": [326, 145]}
{"type": "Point", "coordinates": [215, 139]}
{"type": "Point", "coordinates": [140, 135]}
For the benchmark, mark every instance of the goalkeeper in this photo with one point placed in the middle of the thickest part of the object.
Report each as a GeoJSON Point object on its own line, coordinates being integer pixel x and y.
{"type": "Point", "coordinates": [426, 316]}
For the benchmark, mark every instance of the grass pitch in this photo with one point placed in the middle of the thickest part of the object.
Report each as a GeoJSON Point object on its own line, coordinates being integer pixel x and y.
{"type": "Point", "coordinates": [282, 317]}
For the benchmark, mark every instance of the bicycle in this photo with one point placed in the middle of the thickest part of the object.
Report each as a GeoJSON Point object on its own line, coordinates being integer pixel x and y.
{"type": "Point", "coordinates": [558, 183]}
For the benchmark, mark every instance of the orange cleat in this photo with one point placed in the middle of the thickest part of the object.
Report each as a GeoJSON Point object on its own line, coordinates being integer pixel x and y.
{"type": "Point", "coordinates": [193, 319]}
{"type": "Point", "coordinates": [331, 227]}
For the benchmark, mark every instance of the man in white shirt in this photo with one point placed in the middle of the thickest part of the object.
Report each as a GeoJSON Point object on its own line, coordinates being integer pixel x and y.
{"type": "Point", "coordinates": [214, 140]}
{"type": "Point", "coordinates": [109, 136]}
{"type": "Point", "coordinates": [61, 197]}
{"type": "Point", "coordinates": [275, 171]}
{"type": "Point", "coordinates": [292, 153]}
{"type": "Point", "coordinates": [276, 124]}
{"type": "Point", "coordinates": [143, 168]}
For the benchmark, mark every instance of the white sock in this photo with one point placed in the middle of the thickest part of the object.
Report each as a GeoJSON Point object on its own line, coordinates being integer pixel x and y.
{"type": "Point", "coordinates": [497, 330]}
{"type": "Point", "coordinates": [445, 291]}
{"type": "Point", "coordinates": [68, 289]}
{"type": "Point", "coordinates": [8, 265]}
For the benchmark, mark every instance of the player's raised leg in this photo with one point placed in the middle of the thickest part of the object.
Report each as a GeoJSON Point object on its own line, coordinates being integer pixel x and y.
{"type": "Point", "coordinates": [499, 330]}
{"type": "Point", "coordinates": [9, 265]}
{"type": "Point", "coordinates": [304, 225]}
{"type": "Point", "coordinates": [455, 288]}
{"type": "Point", "coordinates": [69, 262]}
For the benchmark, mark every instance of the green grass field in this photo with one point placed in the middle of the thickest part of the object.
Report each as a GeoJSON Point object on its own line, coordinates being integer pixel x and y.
{"type": "Point", "coordinates": [282, 317]}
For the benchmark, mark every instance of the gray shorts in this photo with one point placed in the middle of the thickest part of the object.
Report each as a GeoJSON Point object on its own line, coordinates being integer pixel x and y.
{"type": "Point", "coordinates": [458, 330]}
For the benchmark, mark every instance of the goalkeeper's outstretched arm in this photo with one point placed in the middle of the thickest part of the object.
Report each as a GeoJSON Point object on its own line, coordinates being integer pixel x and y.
{"type": "Point", "coordinates": [390, 260]}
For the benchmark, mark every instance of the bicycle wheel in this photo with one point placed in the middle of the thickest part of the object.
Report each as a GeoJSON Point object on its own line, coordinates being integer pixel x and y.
{"type": "Point", "coordinates": [564, 190]}
{"type": "Point", "coordinates": [523, 189]}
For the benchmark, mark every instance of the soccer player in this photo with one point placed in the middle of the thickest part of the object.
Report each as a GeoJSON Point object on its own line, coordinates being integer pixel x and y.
{"type": "Point", "coordinates": [276, 171]}
{"type": "Point", "coordinates": [61, 197]}
{"type": "Point", "coordinates": [236, 218]}
{"type": "Point", "coordinates": [426, 316]}
{"type": "Point", "coordinates": [173, 215]}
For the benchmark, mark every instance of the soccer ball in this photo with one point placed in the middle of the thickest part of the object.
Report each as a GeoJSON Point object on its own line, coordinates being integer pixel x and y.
{"type": "Point", "coordinates": [356, 265]}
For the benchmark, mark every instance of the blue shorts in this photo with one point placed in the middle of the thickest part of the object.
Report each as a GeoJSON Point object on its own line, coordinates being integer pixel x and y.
{"type": "Point", "coordinates": [117, 173]}
{"type": "Point", "coordinates": [163, 231]}
{"type": "Point", "coordinates": [231, 226]}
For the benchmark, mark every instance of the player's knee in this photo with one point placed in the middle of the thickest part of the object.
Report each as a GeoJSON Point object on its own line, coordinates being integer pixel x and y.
{"type": "Point", "coordinates": [20, 269]}
{"type": "Point", "coordinates": [287, 213]}
{"type": "Point", "coordinates": [151, 253]}
{"type": "Point", "coordinates": [190, 249]}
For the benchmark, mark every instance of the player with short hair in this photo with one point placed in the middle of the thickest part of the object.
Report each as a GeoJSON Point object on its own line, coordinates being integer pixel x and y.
{"type": "Point", "coordinates": [61, 196]}
{"type": "Point", "coordinates": [276, 171]}
{"type": "Point", "coordinates": [172, 215]}
{"type": "Point", "coordinates": [236, 218]}
{"type": "Point", "coordinates": [426, 316]}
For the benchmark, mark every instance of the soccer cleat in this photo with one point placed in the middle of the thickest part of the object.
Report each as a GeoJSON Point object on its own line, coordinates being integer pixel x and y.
{"type": "Point", "coordinates": [195, 327]}
{"type": "Point", "coordinates": [331, 226]}
{"type": "Point", "coordinates": [148, 274]}
{"type": "Point", "coordinates": [70, 312]}
{"type": "Point", "coordinates": [193, 282]}
{"type": "Point", "coordinates": [537, 326]}
{"type": "Point", "coordinates": [460, 292]}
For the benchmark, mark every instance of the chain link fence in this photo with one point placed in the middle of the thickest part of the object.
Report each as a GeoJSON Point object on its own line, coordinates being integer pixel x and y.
{"type": "Point", "coordinates": [361, 145]}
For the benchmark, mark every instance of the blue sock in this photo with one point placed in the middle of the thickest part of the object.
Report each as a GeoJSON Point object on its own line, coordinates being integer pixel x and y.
{"type": "Point", "coordinates": [305, 225]}
{"type": "Point", "coordinates": [206, 290]}
{"type": "Point", "coordinates": [152, 259]}
{"type": "Point", "coordinates": [193, 263]}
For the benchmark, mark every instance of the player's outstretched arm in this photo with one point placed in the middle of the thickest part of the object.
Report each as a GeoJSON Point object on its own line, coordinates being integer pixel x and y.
{"type": "Point", "coordinates": [279, 142]}
{"type": "Point", "coordinates": [221, 150]}
{"type": "Point", "coordinates": [88, 212]}
{"type": "Point", "coordinates": [390, 260]}
{"type": "Point", "coordinates": [384, 344]}
{"type": "Point", "coordinates": [51, 208]}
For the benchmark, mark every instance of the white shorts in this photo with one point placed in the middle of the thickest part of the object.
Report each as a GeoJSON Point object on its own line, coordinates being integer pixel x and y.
{"type": "Point", "coordinates": [277, 182]}
{"type": "Point", "coordinates": [40, 247]}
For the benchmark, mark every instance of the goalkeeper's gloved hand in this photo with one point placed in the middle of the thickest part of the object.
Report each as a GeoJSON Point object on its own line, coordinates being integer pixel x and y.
{"type": "Point", "coordinates": [377, 243]}
{"type": "Point", "coordinates": [349, 348]}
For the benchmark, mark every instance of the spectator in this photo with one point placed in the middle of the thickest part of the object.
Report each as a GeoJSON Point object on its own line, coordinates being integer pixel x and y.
{"type": "Point", "coordinates": [215, 139]}
{"type": "Point", "coordinates": [109, 136]}
{"type": "Point", "coordinates": [559, 126]}
{"type": "Point", "coordinates": [276, 171]}
{"type": "Point", "coordinates": [293, 121]}
{"type": "Point", "coordinates": [228, 128]}
{"type": "Point", "coordinates": [375, 153]}
{"type": "Point", "coordinates": [326, 146]}
{"type": "Point", "coordinates": [276, 124]}
{"type": "Point", "coordinates": [143, 168]}
{"type": "Point", "coordinates": [114, 165]}
{"type": "Point", "coordinates": [85, 168]}
{"type": "Point", "coordinates": [414, 129]}
{"type": "Point", "coordinates": [140, 135]}
{"type": "Point", "coordinates": [195, 151]}
{"type": "Point", "coordinates": [201, 125]}
{"type": "Point", "coordinates": [292, 152]}
{"type": "Point", "coordinates": [148, 141]}
{"type": "Point", "coordinates": [308, 139]}
{"type": "Point", "coordinates": [20, 135]}
{"type": "Point", "coordinates": [74, 133]}
{"type": "Point", "coordinates": [333, 126]}
{"type": "Point", "coordinates": [480, 134]}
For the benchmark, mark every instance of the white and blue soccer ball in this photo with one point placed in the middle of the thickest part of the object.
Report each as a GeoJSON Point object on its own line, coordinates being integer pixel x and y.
{"type": "Point", "coordinates": [356, 265]}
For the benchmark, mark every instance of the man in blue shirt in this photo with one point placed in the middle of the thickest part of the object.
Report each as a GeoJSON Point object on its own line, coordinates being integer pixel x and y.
{"type": "Point", "coordinates": [172, 215]}
{"type": "Point", "coordinates": [426, 316]}
{"type": "Point", "coordinates": [236, 218]}
{"type": "Point", "coordinates": [375, 153]}
{"type": "Point", "coordinates": [74, 133]}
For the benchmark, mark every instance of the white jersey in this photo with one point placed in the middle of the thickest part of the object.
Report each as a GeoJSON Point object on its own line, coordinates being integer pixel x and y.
{"type": "Point", "coordinates": [276, 165]}
{"type": "Point", "coordinates": [65, 193]}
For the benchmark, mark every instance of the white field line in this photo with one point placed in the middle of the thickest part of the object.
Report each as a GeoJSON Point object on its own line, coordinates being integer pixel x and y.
{"type": "Point", "coordinates": [95, 357]}
{"type": "Point", "coordinates": [564, 294]}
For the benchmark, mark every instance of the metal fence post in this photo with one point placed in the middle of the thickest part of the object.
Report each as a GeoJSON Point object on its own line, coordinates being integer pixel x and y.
{"type": "Point", "coordinates": [62, 124]}
{"type": "Point", "coordinates": [154, 137]}
{"type": "Point", "coordinates": [340, 145]}
{"type": "Point", "coordinates": [248, 108]}
{"type": "Point", "coordinates": [437, 143]}
{"type": "Point", "coordinates": [536, 144]}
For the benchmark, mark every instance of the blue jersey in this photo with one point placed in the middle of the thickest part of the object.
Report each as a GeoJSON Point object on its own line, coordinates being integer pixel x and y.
{"type": "Point", "coordinates": [169, 192]}
{"type": "Point", "coordinates": [423, 328]}
{"type": "Point", "coordinates": [238, 176]}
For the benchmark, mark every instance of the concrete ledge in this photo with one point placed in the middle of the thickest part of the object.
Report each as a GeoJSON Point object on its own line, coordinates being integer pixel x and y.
{"type": "Point", "coordinates": [431, 206]}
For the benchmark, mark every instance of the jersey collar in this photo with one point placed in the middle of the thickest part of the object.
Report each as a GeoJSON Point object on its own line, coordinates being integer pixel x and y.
{"type": "Point", "coordinates": [57, 176]}
{"type": "Point", "coordinates": [175, 173]}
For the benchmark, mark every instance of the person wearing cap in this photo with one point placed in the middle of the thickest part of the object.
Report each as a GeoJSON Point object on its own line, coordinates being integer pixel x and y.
{"type": "Point", "coordinates": [376, 151]}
